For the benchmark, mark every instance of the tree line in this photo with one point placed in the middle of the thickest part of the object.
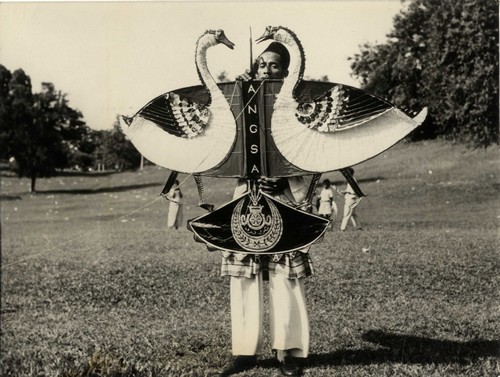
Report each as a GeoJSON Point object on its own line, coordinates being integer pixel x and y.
{"type": "Point", "coordinates": [41, 134]}
{"type": "Point", "coordinates": [442, 54]}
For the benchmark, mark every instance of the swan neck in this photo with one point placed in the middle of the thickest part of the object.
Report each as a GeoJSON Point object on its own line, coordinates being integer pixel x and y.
{"type": "Point", "coordinates": [201, 65]}
{"type": "Point", "coordinates": [296, 64]}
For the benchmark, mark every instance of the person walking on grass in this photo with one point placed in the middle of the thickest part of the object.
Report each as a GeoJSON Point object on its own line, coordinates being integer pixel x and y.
{"type": "Point", "coordinates": [351, 201]}
{"type": "Point", "coordinates": [289, 325]}
{"type": "Point", "coordinates": [175, 208]}
{"type": "Point", "coordinates": [327, 207]}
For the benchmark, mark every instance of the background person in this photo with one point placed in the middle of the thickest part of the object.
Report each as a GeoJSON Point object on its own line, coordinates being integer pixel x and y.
{"type": "Point", "coordinates": [351, 201]}
{"type": "Point", "coordinates": [327, 207]}
{"type": "Point", "coordinates": [175, 214]}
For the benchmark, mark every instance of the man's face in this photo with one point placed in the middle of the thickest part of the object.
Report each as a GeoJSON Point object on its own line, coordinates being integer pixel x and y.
{"type": "Point", "coordinates": [269, 66]}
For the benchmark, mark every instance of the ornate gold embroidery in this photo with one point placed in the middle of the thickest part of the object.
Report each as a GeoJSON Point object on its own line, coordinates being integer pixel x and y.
{"type": "Point", "coordinates": [258, 226]}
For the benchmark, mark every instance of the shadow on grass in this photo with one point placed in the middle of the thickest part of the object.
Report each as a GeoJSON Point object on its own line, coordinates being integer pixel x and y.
{"type": "Point", "coordinates": [9, 197]}
{"type": "Point", "coordinates": [403, 349]}
{"type": "Point", "coordinates": [9, 172]}
{"type": "Point", "coordinates": [87, 174]}
{"type": "Point", "coordinates": [100, 190]}
{"type": "Point", "coordinates": [414, 349]}
{"type": "Point", "coordinates": [339, 183]}
{"type": "Point", "coordinates": [369, 180]}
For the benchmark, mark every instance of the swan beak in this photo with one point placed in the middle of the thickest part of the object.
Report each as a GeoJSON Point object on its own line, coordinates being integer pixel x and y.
{"type": "Point", "coordinates": [268, 34]}
{"type": "Point", "coordinates": [226, 41]}
{"type": "Point", "coordinates": [127, 120]}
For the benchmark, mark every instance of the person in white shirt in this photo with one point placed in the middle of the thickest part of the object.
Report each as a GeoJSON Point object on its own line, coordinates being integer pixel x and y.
{"type": "Point", "coordinates": [327, 207]}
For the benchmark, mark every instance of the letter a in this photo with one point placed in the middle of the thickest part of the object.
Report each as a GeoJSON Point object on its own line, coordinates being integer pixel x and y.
{"type": "Point", "coordinates": [255, 169]}
{"type": "Point", "coordinates": [251, 89]}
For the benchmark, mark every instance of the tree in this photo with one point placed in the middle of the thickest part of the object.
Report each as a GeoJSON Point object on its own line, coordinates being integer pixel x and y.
{"type": "Point", "coordinates": [81, 153]}
{"type": "Point", "coordinates": [44, 134]}
{"type": "Point", "coordinates": [19, 121]}
{"type": "Point", "coordinates": [223, 77]}
{"type": "Point", "coordinates": [40, 130]}
{"type": "Point", "coordinates": [5, 77]}
{"type": "Point", "coordinates": [38, 143]}
{"type": "Point", "coordinates": [323, 78]}
{"type": "Point", "coordinates": [114, 150]}
{"type": "Point", "coordinates": [444, 55]}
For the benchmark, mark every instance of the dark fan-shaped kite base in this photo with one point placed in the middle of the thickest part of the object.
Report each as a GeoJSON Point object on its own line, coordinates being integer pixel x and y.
{"type": "Point", "coordinates": [298, 229]}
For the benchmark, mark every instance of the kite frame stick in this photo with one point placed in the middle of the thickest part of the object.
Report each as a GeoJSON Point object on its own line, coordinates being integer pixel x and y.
{"type": "Point", "coordinates": [251, 50]}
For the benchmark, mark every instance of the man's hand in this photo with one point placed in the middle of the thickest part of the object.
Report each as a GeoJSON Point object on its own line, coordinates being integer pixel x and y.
{"type": "Point", "coordinates": [273, 185]}
{"type": "Point", "coordinates": [245, 76]}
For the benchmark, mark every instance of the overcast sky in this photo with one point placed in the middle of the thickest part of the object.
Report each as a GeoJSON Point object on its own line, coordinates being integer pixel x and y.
{"type": "Point", "coordinates": [115, 57]}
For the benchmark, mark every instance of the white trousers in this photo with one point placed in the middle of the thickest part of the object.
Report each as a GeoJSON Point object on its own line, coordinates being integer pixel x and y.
{"type": "Point", "coordinates": [351, 202]}
{"type": "Point", "coordinates": [289, 323]}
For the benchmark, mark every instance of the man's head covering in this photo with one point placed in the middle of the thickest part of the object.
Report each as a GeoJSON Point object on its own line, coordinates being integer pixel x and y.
{"type": "Point", "coordinates": [281, 50]}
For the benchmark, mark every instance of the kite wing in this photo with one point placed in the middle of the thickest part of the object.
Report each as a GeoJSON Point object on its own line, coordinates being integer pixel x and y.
{"type": "Point", "coordinates": [328, 127]}
{"type": "Point", "coordinates": [343, 126]}
{"type": "Point", "coordinates": [182, 131]}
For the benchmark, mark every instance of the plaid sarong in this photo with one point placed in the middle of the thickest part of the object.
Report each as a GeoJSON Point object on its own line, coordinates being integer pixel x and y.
{"type": "Point", "coordinates": [293, 265]}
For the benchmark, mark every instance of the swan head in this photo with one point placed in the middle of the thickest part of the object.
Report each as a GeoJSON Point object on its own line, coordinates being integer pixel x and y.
{"type": "Point", "coordinates": [214, 37]}
{"type": "Point", "coordinates": [268, 34]}
{"type": "Point", "coordinates": [278, 33]}
{"type": "Point", "coordinates": [288, 38]}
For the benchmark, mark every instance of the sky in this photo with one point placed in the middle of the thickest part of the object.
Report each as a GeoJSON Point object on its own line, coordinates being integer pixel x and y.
{"type": "Point", "coordinates": [114, 57]}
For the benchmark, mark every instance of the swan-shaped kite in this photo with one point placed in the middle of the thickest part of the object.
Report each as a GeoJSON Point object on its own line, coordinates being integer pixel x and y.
{"type": "Point", "coordinates": [182, 135]}
{"type": "Point", "coordinates": [340, 128]}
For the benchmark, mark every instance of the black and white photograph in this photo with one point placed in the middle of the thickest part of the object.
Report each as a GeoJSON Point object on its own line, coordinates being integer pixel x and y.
{"type": "Point", "coordinates": [238, 188]}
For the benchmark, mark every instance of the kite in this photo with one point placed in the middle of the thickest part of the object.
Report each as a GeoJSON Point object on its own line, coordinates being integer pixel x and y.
{"type": "Point", "coordinates": [269, 128]}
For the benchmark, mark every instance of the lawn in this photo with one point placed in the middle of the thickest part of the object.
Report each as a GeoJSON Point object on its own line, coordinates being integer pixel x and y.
{"type": "Point", "coordinates": [93, 284]}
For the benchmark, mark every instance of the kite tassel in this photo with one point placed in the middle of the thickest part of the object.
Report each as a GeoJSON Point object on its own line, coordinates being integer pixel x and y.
{"type": "Point", "coordinates": [201, 195]}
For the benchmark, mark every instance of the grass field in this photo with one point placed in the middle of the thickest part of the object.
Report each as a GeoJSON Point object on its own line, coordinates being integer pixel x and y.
{"type": "Point", "coordinates": [93, 284]}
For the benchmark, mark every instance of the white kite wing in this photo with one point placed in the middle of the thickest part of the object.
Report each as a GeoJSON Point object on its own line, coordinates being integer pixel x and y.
{"type": "Point", "coordinates": [343, 127]}
{"type": "Point", "coordinates": [182, 135]}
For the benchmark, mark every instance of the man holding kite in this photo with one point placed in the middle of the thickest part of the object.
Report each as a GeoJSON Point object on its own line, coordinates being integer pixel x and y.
{"type": "Point", "coordinates": [289, 325]}
{"type": "Point", "coordinates": [291, 127]}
